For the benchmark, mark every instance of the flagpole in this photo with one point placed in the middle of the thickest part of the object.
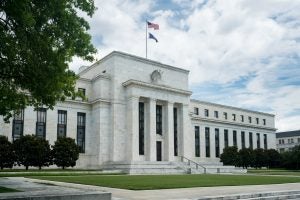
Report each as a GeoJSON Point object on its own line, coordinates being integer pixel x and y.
{"type": "Point", "coordinates": [146, 39]}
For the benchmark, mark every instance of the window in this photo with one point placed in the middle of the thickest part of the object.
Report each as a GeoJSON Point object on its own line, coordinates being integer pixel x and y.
{"type": "Point", "coordinates": [264, 121]}
{"type": "Point", "coordinates": [196, 111]}
{"type": "Point", "coordinates": [281, 150]}
{"type": "Point", "coordinates": [41, 123]}
{"type": "Point", "coordinates": [242, 118]}
{"type": "Point", "coordinates": [250, 120]}
{"type": "Point", "coordinates": [82, 91]}
{"type": "Point", "coordinates": [159, 119]}
{"type": "Point", "coordinates": [279, 141]}
{"type": "Point", "coordinates": [292, 140]}
{"type": "Point", "coordinates": [197, 141]}
{"type": "Point", "coordinates": [217, 142]}
{"type": "Point", "coordinates": [18, 125]}
{"type": "Point", "coordinates": [216, 113]}
{"type": "Point", "coordinates": [234, 138]}
{"type": "Point", "coordinates": [225, 115]}
{"type": "Point", "coordinates": [175, 132]}
{"type": "Point", "coordinates": [141, 128]}
{"type": "Point", "coordinates": [233, 117]}
{"type": "Point", "coordinates": [207, 142]}
{"type": "Point", "coordinates": [282, 141]}
{"type": "Point", "coordinates": [298, 140]}
{"type": "Point", "coordinates": [257, 120]}
{"type": "Point", "coordinates": [257, 140]}
{"type": "Point", "coordinates": [289, 141]}
{"type": "Point", "coordinates": [206, 113]}
{"type": "Point", "coordinates": [243, 139]}
{"type": "Point", "coordinates": [81, 120]}
{"type": "Point", "coordinates": [62, 123]}
{"type": "Point", "coordinates": [265, 142]}
{"type": "Point", "coordinates": [226, 137]}
{"type": "Point", "coordinates": [250, 140]}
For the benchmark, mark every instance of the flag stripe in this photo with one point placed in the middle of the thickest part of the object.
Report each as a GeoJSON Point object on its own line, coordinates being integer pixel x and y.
{"type": "Point", "coordinates": [152, 25]}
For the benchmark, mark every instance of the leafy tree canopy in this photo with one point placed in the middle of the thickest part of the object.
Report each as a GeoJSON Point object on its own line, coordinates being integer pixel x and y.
{"type": "Point", "coordinates": [37, 40]}
{"type": "Point", "coordinates": [7, 156]}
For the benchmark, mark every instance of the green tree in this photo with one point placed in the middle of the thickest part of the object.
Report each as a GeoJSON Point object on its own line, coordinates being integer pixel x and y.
{"type": "Point", "coordinates": [245, 157]}
{"type": "Point", "coordinates": [43, 155]}
{"type": "Point", "coordinates": [7, 156]}
{"type": "Point", "coordinates": [38, 39]}
{"type": "Point", "coordinates": [65, 152]}
{"type": "Point", "coordinates": [259, 158]}
{"type": "Point", "coordinates": [230, 156]}
{"type": "Point", "coordinates": [272, 158]}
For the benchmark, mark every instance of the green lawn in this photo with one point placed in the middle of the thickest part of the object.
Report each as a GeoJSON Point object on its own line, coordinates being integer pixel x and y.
{"type": "Point", "coordinates": [4, 189]}
{"type": "Point", "coordinates": [274, 172]}
{"type": "Point", "coordinates": [53, 173]}
{"type": "Point", "coordinates": [148, 182]}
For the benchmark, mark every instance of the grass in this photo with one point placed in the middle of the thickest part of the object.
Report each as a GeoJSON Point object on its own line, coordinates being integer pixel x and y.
{"type": "Point", "coordinates": [274, 172]}
{"type": "Point", "coordinates": [149, 182]}
{"type": "Point", "coordinates": [4, 189]}
{"type": "Point", "coordinates": [43, 173]}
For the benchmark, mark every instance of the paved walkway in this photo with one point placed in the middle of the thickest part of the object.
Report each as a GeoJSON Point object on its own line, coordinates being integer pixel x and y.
{"type": "Point", "coordinates": [166, 194]}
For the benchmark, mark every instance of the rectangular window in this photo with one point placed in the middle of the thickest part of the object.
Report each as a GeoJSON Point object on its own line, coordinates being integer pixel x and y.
{"type": "Point", "coordinates": [226, 137]}
{"type": "Point", "coordinates": [282, 141]}
{"type": "Point", "coordinates": [243, 139]}
{"type": "Point", "coordinates": [242, 118]}
{"type": "Point", "coordinates": [233, 117]}
{"type": "Point", "coordinates": [18, 125]}
{"type": "Point", "coordinates": [206, 113]}
{"type": "Point", "coordinates": [159, 119]}
{"type": "Point", "coordinates": [264, 121]}
{"type": "Point", "coordinates": [197, 141]}
{"type": "Point", "coordinates": [265, 142]}
{"type": "Point", "coordinates": [61, 123]}
{"type": "Point", "coordinates": [257, 121]}
{"type": "Point", "coordinates": [234, 138]}
{"type": "Point", "coordinates": [279, 141]}
{"type": "Point", "coordinates": [216, 113]}
{"type": "Point", "coordinates": [81, 121]}
{"type": "Point", "coordinates": [298, 140]}
{"type": "Point", "coordinates": [217, 142]}
{"type": "Point", "coordinates": [292, 140]}
{"type": "Point", "coordinates": [250, 140]}
{"type": "Point", "coordinates": [141, 128]}
{"type": "Point", "coordinates": [175, 132]}
{"type": "Point", "coordinates": [82, 91]}
{"type": "Point", "coordinates": [41, 123]}
{"type": "Point", "coordinates": [257, 140]}
{"type": "Point", "coordinates": [225, 115]}
{"type": "Point", "coordinates": [196, 111]}
{"type": "Point", "coordinates": [249, 119]}
{"type": "Point", "coordinates": [207, 142]}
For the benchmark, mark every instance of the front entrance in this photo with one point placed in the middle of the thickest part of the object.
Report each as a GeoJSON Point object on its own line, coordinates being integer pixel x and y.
{"type": "Point", "coordinates": [158, 150]}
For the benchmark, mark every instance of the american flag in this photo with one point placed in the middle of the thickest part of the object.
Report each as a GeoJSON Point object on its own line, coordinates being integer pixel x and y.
{"type": "Point", "coordinates": [152, 25]}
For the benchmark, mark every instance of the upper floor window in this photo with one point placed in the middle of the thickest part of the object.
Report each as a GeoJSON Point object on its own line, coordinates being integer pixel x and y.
{"type": "Point", "coordinates": [196, 111]}
{"type": "Point", "coordinates": [41, 122]}
{"type": "Point", "coordinates": [18, 125]}
{"type": "Point", "coordinates": [82, 91]}
{"type": "Point", "coordinates": [159, 119]}
{"type": "Point", "coordinates": [264, 121]}
{"type": "Point", "coordinates": [242, 118]}
{"type": "Point", "coordinates": [225, 115]}
{"type": "Point", "coordinates": [216, 113]}
{"type": "Point", "coordinates": [233, 117]}
{"type": "Point", "coordinates": [61, 123]}
{"type": "Point", "coordinates": [249, 119]}
{"type": "Point", "coordinates": [257, 120]}
{"type": "Point", "coordinates": [292, 140]}
{"type": "Point", "coordinates": [206, 113]}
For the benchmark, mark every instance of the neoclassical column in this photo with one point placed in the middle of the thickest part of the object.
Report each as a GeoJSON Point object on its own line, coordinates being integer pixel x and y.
{"type": "Point", "coordinates": [254, 139]}
{"type": "Point", "coordinates": [169, 138]}
{"type": "Point", "coordinates": [184, 131]}
{"type": "Point", "coordinates": [221, 140]}
{"type": "Point", "coordinates": [230, 137]}
{"type": "Point", "coordinates": [261, 140]}
{"type": "Point", "coordinates": [239, 139]}
{"type": "Point", "coordinates": [212, 142]}
{"type": "Point", "coordinates": [133, 128]}
{"type": "Point", "coordinates": [151, 131]}
{"type": "Point", "coordinates": [247, 143]}
{"type": "Point", "coordinates": [202, 141]}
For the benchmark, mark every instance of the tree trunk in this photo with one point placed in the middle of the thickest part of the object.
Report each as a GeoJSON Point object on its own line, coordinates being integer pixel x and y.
{"type": "Point", "coordinates": [40, 167]}
{"type": "Point", "coordinates": [26, 167]}
{"type": "Point", "coordinates": [63, 167]}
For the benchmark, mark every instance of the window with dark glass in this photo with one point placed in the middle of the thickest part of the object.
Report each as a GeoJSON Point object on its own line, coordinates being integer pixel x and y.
{"type": "Point", "coordinates": [175, 131]}
{"type": "Point", "coordinates": [226, 137]}
{"type": "Point", "coordinates": [18, 125]}
{"type": "Point", "coordinates": [250, 120]}
{"type": "Point", "coordinates": [233, 117]}
{"type": "Point", "coordinates": [243, 139]}
{"type": "Point", "coordinates": [257, 121]}
{"type": "Point", "coordinates": [41, 123]}
{"type": "Point", "coordinates": [206, 113]}
{"type": "Point", "coordinates": [225, 115]}
{"type": "Point", "coordinates": [264, 121]}
{"type": "Point", "coordinates": [81, 122]}
{"type": "Point", "coordinates": [265, 142]}
{"type": "Point", "coordinates": [207, 142]}
{"type": "Point", "coordinates": [141, 128]}
{"type": "Point", "coordinates": [159, 119]}
{"type": "Point", "coordinates": [234, 138]}
{"type": "Point", "coordinates": [250, 140]}
{"type": "Point", "coordinates": [242, 118]}
{"type": "Point", "coordinates": [216, 113]}
{"type": "Point", "coordinates": [62, 123]}
{"type": "Point", "coordinates": [217, 142]}
{"type": "Point", "coordinates": [197, 141]}
{"type": "Point", "coordinates": [257, 140]}
{"type": "Point", "coordinates": [196, 111]}
{"type": "Point", "coordinates": [82, 91]}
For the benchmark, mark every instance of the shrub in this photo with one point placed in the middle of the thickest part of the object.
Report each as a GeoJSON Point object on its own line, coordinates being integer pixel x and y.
{"type": "Point", "coordinates": [7, 156]}
{"type": "Point", "coordinates": [245, 157]}
{"type": "Point", "coordinates": [230, 156]}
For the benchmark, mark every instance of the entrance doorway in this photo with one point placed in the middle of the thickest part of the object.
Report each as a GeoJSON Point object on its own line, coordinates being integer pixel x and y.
{"type": "Point", "coordinates": [158, 150]}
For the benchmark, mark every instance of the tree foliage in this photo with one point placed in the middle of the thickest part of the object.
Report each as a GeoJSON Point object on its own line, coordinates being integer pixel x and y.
{"type": "Point", "coordinates": [37, 40]}
{"type": "Point", "coordinates": [65, 152]}
{"type": "Point", "coordinates": [230, 156]}
{"type": "Point", "coordinates": [43, 152]}
{"type": "Point", "coordinates": [259, 158]}
{"type": "Point", "coordinates": [245, 157]}
{"type": "Point", "coordinates": [7, 156]}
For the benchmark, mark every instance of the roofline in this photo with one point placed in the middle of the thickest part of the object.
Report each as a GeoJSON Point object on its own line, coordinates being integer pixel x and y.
{"type": "Point", "coordinates": [134, 57]}
{"type": "Point", "coordinates": [232, 107]}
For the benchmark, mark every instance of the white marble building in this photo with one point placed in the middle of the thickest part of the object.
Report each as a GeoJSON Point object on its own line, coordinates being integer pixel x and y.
{"type": "Point", "coordinates": [140, 110]}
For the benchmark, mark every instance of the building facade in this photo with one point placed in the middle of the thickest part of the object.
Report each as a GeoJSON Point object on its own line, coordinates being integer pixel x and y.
{"type": "Point", "coordinates": [139, 110]}
{"type": "Point", "coordinates": [287, 140]}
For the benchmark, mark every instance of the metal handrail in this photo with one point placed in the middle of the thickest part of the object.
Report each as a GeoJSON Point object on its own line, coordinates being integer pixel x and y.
{"type": "Point", "coordinates": [191, 161]}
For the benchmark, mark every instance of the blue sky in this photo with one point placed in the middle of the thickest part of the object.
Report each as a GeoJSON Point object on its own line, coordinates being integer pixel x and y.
{"type": "Point", "coordinates": [241, 53]}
